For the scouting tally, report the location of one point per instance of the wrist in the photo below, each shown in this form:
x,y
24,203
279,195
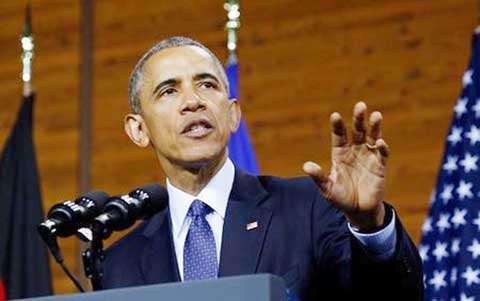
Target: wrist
x,y
369,221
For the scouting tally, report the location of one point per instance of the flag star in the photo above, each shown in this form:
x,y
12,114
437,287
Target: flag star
x,y
453,276
473,135
476,108
471,276
446,194
474,248
438,279
443,223
464,297
455,135
455,248
469,163
451,164
467,78
461,107
477,222
464,190
427,226
423,251
459,217
440,251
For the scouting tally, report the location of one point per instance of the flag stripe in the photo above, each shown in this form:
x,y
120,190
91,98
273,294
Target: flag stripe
x,y
2,291
23,257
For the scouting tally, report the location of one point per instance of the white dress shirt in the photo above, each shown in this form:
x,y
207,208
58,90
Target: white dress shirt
x,y
216,193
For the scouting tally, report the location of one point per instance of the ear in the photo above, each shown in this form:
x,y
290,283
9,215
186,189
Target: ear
x,y
136,130
235,114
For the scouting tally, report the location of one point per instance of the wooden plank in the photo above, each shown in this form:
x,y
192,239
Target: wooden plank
x,y
86,91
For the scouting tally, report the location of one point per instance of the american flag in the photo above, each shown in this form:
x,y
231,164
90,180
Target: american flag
x,y
450,246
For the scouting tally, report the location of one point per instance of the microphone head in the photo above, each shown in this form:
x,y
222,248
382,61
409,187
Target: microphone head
x,y
94,200
99,197
65,218
155,195
121,212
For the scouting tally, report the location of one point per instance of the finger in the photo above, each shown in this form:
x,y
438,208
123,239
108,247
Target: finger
x,y
376,119
383,149
359,127
316,173
339,133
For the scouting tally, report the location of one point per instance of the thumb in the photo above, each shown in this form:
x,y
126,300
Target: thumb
x,y
318,175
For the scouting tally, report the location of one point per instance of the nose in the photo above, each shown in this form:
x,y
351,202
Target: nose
x,y
192,103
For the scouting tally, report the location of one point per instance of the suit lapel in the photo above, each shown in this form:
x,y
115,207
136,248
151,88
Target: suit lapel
x,y
159,264
241,248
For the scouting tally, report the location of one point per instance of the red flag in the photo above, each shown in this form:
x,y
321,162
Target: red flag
x,y
2,291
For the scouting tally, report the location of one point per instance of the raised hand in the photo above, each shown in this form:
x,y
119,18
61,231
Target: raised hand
x,y
356,183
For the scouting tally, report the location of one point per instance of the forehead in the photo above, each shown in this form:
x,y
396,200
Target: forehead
x,y
177,62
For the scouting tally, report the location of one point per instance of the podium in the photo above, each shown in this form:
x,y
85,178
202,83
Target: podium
x,y
258,287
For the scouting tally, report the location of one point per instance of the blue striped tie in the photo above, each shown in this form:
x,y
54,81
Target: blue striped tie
x,y
199,253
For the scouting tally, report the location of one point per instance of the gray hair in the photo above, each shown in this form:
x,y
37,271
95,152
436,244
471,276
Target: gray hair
x,y
136,77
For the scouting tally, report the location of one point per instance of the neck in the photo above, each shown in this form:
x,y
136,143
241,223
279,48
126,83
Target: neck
x,y
193,179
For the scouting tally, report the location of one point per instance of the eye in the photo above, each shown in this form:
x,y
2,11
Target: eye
x,y
168,91
209,85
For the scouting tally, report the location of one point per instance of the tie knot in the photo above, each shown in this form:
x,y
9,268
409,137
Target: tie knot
x,y
199,208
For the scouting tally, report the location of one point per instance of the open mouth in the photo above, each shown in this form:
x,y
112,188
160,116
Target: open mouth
x,y
197,128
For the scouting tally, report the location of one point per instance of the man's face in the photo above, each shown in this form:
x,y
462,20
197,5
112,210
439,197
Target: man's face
x,y
185,106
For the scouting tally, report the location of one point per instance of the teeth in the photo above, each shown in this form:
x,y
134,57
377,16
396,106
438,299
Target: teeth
x,y
197,127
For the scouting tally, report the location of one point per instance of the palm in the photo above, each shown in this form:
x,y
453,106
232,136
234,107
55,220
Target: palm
x,y
358,178
356,183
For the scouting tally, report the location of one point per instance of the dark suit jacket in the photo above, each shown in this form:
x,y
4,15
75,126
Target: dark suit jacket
x,y
300,237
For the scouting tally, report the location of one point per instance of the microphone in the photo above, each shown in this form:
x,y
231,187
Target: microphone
x,y
121,212
65,218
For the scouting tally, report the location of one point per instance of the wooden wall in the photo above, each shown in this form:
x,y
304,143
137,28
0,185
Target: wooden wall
x,y
300,60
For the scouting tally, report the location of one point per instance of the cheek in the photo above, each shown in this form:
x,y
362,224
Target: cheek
x,y
223,112
223,126
161,128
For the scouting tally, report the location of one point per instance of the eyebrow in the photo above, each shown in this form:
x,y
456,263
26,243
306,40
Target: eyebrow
x,y
173,81
168,82
201,76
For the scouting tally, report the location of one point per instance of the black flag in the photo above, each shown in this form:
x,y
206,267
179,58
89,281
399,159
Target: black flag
x,y
24,264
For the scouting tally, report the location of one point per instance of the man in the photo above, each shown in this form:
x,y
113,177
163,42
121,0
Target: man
x,y
332,238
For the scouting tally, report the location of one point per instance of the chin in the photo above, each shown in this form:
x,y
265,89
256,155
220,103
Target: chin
x,y
199,157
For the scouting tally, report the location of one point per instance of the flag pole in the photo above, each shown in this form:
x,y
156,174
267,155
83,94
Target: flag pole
x,y
28,46
233,24
477,29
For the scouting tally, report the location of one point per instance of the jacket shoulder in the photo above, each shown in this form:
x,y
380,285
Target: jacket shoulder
x,y
300,194
287,184
128,243
298,187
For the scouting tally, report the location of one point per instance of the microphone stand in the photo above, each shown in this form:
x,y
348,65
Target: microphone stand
x,y
94,256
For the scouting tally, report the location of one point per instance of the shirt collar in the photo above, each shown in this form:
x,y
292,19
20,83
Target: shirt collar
x,y
215,194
